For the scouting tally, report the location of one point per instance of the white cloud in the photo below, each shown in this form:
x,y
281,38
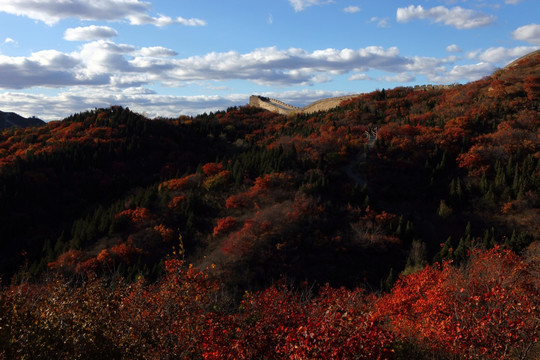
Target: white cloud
x,y
512,1
48,68
381,22
123,74
473,54
282,67
162,20
469,72
300,5
157,51
103,73
270,19
124,65
52,11
426,65
89,33
63,104
56,107
457,17
352,9
104,58
402,78
529,33
9,41
359,77
504,55
453,48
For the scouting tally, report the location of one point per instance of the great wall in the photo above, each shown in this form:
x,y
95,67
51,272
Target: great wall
x,y
280,107
285,109
272,105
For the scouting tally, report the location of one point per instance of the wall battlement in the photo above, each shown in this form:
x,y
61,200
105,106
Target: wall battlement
x,y
433,87
272,105
280,107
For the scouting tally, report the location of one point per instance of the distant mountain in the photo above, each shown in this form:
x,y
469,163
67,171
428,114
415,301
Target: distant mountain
x,y
9,119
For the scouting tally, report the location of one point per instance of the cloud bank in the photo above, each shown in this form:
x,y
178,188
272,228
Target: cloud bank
x,y
52,11
529,33
300,5
105,62
457,17
89,33
352,9
104,73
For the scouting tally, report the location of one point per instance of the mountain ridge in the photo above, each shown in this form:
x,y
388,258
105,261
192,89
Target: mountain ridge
x,y
11,119
441,159
280,107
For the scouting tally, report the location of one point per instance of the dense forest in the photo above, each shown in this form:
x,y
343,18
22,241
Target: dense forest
x,y
403,224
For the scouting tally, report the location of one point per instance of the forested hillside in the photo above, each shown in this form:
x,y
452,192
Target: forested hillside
x,y
403,224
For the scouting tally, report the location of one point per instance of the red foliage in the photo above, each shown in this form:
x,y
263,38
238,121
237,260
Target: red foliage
x,y
474,160
484,309
238,201
88,267
211,169
304,207
183,183
224,225
532,86
510,138
339,325
335,325
176,202
261,328
138,216
105,258
125,252
266,188
240,242
167,234
170,317
70,258
408,138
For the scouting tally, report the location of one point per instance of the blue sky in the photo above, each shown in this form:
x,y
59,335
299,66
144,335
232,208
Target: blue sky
x,y
185,57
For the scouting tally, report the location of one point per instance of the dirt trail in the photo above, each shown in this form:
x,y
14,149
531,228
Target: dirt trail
x,y
361,158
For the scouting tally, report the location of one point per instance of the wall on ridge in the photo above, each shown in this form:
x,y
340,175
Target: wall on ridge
x,y
281,108
272,105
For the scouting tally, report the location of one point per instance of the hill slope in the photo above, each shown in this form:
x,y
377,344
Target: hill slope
x,y
249,234
264,196
9,119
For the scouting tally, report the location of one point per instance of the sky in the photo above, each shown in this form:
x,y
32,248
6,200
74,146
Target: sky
x,y
167,58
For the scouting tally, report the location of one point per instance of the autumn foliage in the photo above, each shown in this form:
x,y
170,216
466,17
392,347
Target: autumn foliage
x,y
402,224
487,308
